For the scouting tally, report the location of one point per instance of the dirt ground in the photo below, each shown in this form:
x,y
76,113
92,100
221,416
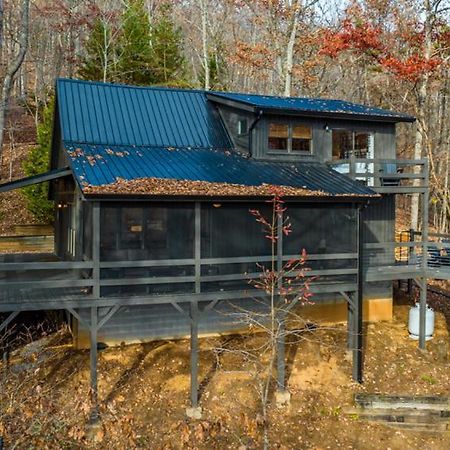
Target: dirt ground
x,y
144,390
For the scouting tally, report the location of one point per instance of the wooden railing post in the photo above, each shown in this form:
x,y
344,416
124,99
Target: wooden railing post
x,y
96,249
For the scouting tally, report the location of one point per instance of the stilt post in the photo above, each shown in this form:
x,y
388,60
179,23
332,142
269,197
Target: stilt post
x,y
194,353
194,411
358,313
93,365
423,287
350,323
281,316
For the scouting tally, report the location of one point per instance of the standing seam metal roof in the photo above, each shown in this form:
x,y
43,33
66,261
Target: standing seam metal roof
x,y
314,106
113,132
101,113
97,165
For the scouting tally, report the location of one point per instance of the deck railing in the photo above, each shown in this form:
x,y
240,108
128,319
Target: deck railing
x,y
386,175
162,280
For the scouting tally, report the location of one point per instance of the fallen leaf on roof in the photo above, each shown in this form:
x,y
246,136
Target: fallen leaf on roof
x,y
171,187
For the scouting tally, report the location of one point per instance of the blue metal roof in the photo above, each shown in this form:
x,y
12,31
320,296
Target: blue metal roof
x,y
114,114
313,106
97,165
113,132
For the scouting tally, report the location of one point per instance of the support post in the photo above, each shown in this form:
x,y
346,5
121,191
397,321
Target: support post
x,y
93,366
282,396
194,353
281,369
411,257
194,411
96,249
422,312
424,282
281,316
350,324
358,312
197,246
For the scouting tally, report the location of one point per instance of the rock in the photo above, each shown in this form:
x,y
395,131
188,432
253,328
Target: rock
x,y
442,350
194,413
282,399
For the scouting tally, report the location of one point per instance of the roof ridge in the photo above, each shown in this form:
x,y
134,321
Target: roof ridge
x,y
129,86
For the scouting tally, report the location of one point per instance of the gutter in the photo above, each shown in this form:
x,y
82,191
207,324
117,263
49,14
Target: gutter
x,y
250,132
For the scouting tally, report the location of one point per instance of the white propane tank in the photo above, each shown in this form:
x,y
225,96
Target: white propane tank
x,y
414,322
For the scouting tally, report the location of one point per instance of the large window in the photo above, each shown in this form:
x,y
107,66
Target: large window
x,y
288,137
347,143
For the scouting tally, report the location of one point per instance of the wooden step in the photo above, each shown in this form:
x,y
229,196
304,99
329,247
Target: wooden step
x,y
400,415
429,427
437,403
416,413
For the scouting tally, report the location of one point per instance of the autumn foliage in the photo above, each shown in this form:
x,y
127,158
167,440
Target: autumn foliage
x,y
359,35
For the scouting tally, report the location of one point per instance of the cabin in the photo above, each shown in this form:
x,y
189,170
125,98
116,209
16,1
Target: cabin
x,y
153,235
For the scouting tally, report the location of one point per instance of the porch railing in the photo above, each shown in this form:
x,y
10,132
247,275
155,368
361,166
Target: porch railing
x,y
161,280
386,175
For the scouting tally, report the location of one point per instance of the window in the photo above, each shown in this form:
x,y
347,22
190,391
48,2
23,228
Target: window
x,y
289,137
242,127
301,138
278,136
348,143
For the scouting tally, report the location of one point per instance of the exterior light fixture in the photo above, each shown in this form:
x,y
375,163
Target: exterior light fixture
x,y
217,205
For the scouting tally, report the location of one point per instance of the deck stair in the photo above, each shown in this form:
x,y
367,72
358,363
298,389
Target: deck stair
x,y
416,413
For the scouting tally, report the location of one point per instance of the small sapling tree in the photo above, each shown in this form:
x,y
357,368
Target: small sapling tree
x,y
286,285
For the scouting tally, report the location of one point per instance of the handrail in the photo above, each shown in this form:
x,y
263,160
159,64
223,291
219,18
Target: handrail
x,y
147,279
47,265
402,162
386,175
87,264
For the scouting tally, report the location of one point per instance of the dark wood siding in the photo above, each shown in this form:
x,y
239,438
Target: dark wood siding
x,y
384,137
231,118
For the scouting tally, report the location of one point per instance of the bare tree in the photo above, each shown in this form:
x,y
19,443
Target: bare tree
x,y
299,10
13,67
285,286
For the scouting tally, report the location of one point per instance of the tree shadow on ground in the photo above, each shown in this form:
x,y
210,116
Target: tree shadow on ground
x,y
128,373
226,343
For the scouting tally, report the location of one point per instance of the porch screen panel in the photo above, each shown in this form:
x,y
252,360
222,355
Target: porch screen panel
x,y
230,231
147,231
323,230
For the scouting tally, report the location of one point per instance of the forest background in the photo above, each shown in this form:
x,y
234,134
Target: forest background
x,y
393,54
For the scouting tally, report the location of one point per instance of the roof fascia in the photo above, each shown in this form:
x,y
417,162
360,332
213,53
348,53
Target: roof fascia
x,y
177,198
316,114
232,103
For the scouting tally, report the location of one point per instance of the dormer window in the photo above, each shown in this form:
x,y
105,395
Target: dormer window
x,y
242,127
289,138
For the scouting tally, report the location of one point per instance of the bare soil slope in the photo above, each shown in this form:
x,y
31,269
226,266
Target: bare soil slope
x,y
144,390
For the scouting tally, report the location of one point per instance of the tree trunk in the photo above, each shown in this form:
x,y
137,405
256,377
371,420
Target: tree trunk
x,y
290,51
422,94
1,31
12,69
205,55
